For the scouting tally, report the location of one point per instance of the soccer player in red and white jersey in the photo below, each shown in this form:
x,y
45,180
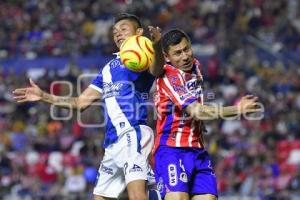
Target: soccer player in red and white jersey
x,y
183,168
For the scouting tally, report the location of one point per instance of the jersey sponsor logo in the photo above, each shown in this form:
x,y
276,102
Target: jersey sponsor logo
x,y
185,96
111,89
172,172
128,137
179,89
135,168
194,86
106,170
191,85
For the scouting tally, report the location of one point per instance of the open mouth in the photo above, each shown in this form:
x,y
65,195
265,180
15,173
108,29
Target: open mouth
x,y
187,64
120,41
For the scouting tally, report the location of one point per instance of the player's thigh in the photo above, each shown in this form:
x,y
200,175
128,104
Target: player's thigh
x,y
204,182
147,142
137,190
177,196
129,156
110,182
204,197
147,139
172,170
96,197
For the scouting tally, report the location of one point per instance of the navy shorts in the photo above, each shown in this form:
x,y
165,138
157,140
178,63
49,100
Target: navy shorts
x,y
184,170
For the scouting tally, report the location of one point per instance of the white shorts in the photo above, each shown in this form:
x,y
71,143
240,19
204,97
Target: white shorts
x,y
122,163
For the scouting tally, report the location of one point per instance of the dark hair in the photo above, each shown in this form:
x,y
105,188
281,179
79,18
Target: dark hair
x,y
130,17
173,37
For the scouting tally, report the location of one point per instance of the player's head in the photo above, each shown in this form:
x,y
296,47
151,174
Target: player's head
x,y
178,49
125,26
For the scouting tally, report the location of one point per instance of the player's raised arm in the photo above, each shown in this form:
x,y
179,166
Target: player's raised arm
x,y
34,93
248,104
156,69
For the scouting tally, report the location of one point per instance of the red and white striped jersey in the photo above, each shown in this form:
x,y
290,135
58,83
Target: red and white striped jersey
x,y
175,90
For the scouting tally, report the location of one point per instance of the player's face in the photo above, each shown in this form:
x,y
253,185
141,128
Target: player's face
x,y
181,55
124,29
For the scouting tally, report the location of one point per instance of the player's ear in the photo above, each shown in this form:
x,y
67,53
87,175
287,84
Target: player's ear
x,y
166,56
139,31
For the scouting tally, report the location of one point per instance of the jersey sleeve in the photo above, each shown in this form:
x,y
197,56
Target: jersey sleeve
x,y
97,83
172,84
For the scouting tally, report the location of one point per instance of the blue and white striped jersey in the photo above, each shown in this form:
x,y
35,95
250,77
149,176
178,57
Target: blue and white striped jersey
x,y
123,93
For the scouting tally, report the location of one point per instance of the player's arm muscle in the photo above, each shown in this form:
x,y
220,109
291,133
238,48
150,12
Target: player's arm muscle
x,y
156,69
88,96
202,112
205,112
247,104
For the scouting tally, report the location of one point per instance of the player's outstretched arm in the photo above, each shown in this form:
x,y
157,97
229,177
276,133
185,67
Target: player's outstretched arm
x,y
34,93
248,104
156,69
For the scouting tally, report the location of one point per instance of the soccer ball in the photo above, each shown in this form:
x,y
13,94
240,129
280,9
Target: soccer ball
x,y
137,53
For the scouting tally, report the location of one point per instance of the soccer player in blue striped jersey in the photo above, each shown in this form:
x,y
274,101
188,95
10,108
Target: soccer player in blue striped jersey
x,y
128,140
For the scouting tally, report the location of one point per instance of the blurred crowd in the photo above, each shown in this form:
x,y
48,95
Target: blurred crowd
x,y
39,28
46,153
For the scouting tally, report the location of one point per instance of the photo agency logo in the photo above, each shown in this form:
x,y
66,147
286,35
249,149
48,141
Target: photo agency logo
x,y
122,99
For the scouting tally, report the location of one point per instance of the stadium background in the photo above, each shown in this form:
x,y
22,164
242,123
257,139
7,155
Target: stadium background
x,y
249,46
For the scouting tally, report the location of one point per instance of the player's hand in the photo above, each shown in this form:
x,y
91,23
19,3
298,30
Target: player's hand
x,y
249,104
33,93
155,34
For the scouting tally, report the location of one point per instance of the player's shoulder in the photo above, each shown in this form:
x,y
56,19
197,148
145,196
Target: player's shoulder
x,y
115,62
111,65
197,64
169,70
171,75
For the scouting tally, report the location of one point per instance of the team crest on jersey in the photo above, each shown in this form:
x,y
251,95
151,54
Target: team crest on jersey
x,y
183,177
115,63
173,79
122,124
